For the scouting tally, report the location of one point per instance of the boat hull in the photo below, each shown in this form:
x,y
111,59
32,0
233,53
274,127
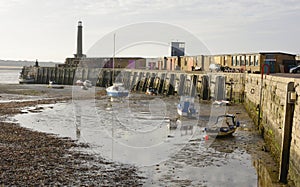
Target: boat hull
x,y
179,112
219,134
224,134
117,90
117,94
56,86
186,107
26,81
186,114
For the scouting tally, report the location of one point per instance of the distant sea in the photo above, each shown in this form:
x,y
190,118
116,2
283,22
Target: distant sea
x,y
10,70
9,75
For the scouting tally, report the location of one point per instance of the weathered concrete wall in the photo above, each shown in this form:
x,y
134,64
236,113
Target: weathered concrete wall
x,y
167,82
272,107
60,75
273,111
295,144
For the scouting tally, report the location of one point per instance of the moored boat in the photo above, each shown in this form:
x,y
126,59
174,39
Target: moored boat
x,y
87,83
186,107
225,125
151,91
26,76
117,90
26,79
52,84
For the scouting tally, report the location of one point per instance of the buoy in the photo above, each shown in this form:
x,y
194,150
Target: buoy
x,y
206,137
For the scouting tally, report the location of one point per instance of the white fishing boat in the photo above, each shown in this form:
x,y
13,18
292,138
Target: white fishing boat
x,y
117,90
186,107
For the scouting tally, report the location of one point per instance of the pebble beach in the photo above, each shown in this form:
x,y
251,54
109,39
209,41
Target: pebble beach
x,y
31,158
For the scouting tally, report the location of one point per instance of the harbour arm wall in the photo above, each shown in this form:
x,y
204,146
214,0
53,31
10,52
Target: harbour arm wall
x,y
217,86
271,101
275,100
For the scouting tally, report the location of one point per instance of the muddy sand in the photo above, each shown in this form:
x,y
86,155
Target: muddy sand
x,y
33,158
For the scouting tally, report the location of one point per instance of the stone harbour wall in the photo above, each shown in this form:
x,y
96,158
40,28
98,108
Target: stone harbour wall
x,y
270,97
272,107
295,143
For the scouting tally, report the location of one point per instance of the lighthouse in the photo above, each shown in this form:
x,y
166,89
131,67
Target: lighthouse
x,y
79,41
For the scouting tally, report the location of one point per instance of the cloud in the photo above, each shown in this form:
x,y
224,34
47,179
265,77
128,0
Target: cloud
x,y
7,5
211,21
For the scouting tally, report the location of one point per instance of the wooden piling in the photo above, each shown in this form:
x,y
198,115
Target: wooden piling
x,y
193,85
287,136
181,84
205,88
220,88
161,83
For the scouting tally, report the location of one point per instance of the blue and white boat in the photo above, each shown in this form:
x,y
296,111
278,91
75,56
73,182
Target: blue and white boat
x,y
186,107
117,90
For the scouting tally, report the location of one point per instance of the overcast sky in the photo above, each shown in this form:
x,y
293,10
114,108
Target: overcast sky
x,y
46,29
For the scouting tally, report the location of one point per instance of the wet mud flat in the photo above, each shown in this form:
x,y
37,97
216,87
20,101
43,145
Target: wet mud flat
x,y
31,158
241,160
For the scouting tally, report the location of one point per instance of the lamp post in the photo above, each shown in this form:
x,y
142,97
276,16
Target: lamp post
x,y
261,88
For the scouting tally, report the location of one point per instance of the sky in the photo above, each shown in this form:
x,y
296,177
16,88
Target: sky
x,y
46,29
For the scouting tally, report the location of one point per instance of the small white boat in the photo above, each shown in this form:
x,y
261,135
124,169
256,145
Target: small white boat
x,y
79,83
26,79
186,107
84,85
151,91
222,102
26,76
52,84
87,83
117,90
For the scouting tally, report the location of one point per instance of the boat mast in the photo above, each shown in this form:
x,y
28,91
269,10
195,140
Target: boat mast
x,y
114,51
112,120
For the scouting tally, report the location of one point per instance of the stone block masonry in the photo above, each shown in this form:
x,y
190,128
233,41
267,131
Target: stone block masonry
x,y
206,86
274,119
295,143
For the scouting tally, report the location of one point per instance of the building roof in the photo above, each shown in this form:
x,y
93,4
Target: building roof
x,y
271,52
